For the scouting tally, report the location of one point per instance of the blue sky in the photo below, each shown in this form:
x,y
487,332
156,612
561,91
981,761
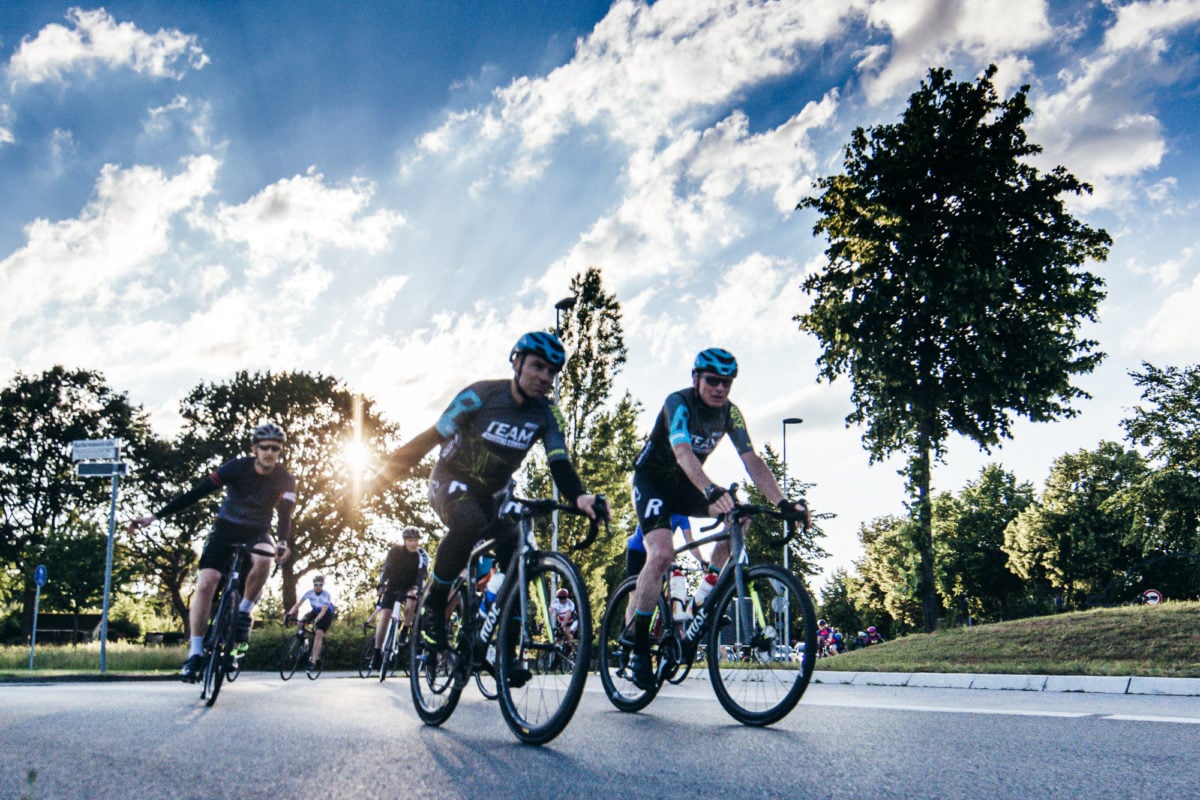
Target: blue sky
x,y
391,192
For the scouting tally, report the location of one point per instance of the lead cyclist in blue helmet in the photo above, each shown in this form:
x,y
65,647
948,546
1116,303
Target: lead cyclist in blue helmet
x,y
669,478
485,434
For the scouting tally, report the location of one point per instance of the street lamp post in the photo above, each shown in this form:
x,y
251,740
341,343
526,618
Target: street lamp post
x,y
566,304
787,621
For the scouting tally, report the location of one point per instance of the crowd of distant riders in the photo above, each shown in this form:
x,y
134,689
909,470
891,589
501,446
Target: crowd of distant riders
x,y
484,435
831,641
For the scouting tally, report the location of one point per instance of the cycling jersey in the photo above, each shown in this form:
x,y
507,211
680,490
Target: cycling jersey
x,y
319,600
563,609
686,419
488,433
403,569
250,498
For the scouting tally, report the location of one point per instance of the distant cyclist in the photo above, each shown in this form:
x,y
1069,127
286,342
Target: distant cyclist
x,y
485,434
321,613
669,478
257,488
565,615
403,574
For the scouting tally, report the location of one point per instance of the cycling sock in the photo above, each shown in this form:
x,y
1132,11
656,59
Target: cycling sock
x,y
246,606
641,631
195,646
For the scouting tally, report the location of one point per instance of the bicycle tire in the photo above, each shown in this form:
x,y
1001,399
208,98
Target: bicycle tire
x,y
485,681
386,655
222,639
540,709
235,669
435,681
365,655
290,655
760,690
314,671
616,643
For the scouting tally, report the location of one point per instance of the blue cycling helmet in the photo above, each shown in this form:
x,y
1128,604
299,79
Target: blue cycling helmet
x,y
540,343
714,359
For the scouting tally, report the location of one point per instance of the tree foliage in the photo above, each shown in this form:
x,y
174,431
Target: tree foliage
x,y
40,415
954,291
887,574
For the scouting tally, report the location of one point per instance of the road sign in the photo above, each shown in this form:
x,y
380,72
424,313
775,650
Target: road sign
x,y
39,575
101,469
95,449
1152,597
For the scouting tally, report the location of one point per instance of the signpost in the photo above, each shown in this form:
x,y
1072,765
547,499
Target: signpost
x,y
39,580
101,458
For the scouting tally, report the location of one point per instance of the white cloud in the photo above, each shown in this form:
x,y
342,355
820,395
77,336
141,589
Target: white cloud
x,y
118,233
380,297
1139,25
294,219
97,40
1173,330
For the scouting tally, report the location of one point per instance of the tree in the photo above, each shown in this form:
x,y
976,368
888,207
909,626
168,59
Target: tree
x,y
887,572
75,559
1074,540
838,606
953,294
804,551
601,434
1167,424
40,495
968,539
333,436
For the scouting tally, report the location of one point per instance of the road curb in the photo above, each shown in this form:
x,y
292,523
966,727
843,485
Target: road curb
x,y
1100,684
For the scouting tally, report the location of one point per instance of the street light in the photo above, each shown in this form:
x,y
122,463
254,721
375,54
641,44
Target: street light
x,y
787,621
566,304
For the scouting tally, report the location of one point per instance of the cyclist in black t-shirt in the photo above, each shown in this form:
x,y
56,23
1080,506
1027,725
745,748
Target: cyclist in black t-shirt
x,y
403,574
257,488
485,433
669,478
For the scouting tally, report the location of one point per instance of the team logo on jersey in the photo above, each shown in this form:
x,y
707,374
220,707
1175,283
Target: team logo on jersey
x,y
706,444
520,437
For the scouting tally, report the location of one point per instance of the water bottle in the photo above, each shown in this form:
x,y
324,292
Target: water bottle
x,y
679,595
493,588
706,586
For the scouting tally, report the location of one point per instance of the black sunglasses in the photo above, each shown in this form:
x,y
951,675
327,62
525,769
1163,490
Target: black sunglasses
x,y
271,448
717,380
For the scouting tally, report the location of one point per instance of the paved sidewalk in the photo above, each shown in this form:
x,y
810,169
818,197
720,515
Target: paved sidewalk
x,y
1024,683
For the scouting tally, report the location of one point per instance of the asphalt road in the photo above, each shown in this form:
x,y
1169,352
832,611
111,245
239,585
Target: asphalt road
x,y
343,737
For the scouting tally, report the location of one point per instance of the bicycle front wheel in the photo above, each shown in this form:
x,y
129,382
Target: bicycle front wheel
x,y
748,660
437,678
616,645
220,642
290,656
388,655
365,654
537,705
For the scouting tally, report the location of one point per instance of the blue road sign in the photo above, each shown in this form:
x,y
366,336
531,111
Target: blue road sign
x,y
39,575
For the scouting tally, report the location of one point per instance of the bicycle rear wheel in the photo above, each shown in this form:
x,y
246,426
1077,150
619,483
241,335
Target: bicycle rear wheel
x,y
616,645
365,655
290,656
539,709
750,676
221,640
485,681
437,679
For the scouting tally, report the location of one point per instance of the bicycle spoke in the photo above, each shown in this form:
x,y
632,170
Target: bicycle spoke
x,y
616,645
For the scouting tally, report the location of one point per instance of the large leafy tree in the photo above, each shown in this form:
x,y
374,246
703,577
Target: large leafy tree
x,y
601,431
1167,424
954,291
40,415
968,539
804,548
887,575
1075,540
333,437
74,559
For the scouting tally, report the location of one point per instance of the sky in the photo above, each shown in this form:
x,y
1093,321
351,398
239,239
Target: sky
x,y
392,192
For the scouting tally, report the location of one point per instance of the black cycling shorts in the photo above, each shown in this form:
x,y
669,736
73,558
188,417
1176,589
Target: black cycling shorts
x,y
389,598
655,502
219,547
325,621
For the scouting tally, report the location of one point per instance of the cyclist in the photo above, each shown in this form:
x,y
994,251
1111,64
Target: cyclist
x,y
874,636
256,487
563,608
635,550
403,574
485,433
321,613
669,478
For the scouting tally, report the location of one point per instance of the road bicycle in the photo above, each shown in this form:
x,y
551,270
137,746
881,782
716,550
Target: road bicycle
x,y
394,654
749,611
219,645
297,650
513,636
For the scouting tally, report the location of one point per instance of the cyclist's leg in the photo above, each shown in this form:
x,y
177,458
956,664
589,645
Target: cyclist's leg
x,y
465,517
381,622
